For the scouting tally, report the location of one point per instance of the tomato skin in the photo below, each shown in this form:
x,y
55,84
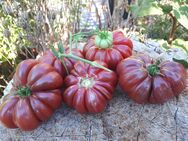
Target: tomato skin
x,y
120,49
140,86
91,98
27,112
49,58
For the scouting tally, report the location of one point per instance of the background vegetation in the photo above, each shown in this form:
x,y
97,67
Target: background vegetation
x,y
28,26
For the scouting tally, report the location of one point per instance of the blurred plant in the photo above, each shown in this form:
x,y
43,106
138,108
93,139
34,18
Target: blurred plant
x,y
169,27
67,19
12,39
28,27
12,42
170,22
158,27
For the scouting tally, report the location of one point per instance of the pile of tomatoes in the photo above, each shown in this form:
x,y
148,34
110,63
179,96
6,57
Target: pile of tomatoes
x,y
41,85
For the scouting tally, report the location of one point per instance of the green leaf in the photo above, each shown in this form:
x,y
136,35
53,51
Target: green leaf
x,y
177,43
145,8
60,47
181,14
183,62
166,8
180,43
163,43
181,1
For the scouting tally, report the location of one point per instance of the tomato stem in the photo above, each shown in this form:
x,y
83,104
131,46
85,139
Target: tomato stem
x,y
93,63
70,55
154,68
24,91
70,42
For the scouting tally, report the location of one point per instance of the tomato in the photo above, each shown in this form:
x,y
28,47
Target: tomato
x,y
88,89
147,81
49,58
108,47
35,95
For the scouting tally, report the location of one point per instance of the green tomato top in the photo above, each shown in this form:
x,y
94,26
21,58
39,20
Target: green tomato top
x,y
104,39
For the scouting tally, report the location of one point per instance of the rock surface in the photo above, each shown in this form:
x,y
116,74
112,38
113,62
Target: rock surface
x,y
123,120
155,51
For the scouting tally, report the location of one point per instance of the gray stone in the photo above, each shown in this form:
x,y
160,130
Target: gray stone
x,y
122,120
154,50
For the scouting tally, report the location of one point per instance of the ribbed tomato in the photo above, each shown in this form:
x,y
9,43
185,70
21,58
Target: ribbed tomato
x,y
35,95
49,58
109,47
89,88
147,81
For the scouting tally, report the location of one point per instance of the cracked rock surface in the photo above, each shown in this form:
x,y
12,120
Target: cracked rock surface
x,y
123,120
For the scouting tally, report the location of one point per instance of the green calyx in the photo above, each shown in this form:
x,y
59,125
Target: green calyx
x,y
104,39
24,91
154,68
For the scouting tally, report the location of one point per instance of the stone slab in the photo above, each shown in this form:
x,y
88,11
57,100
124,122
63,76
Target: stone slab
x,y
123,120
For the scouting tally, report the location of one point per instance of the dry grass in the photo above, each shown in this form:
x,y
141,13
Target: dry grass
x,y
46,22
